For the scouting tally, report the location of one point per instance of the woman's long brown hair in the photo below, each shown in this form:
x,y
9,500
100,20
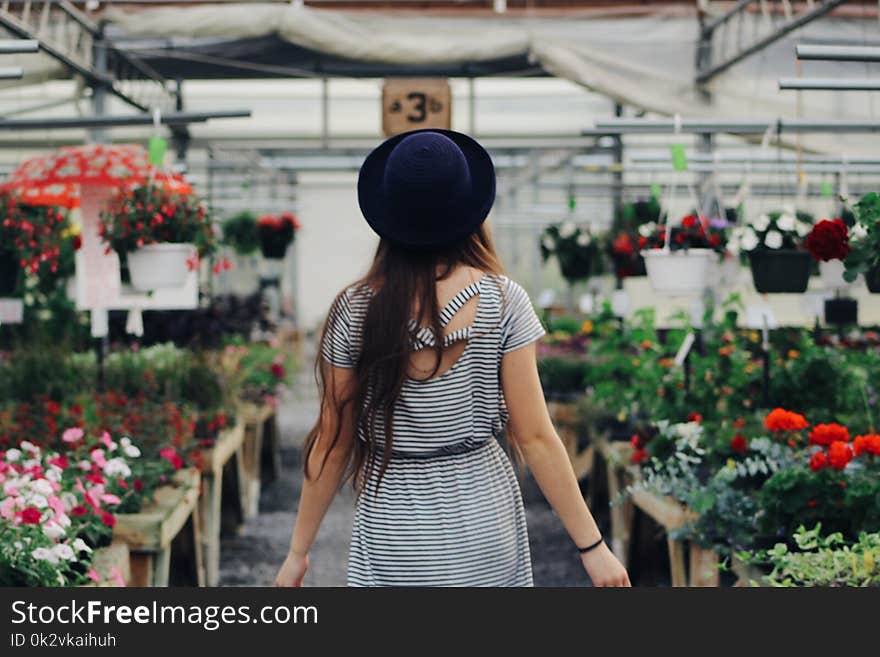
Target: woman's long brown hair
x,y
404,286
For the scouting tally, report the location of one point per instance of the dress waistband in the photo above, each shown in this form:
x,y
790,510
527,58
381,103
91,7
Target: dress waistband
x,y
440,452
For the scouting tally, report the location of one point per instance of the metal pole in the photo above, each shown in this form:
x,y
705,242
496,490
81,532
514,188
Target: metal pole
x,y
11,73
325,113
472,106
839,53
665,126
617,176
18,46
98,135
104,121
830,84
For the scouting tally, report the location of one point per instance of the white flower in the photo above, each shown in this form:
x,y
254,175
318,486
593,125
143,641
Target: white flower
x,y
567,229
31,463
125,441
53,474
646,230
44,554
18,545
64,551
584,239
773,239
802,228
749,240
131,451
690,433
85,466
61,519
53,530
549,243
116,467
786,222
13,454
762,222
29,446
80,545
858,231
60,579
39,501
42,487
69,500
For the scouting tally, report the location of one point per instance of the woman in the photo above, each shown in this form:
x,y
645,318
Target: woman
x,y
412,417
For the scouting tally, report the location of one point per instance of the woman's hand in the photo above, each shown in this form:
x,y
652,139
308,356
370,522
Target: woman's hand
x,y
604,568
292,570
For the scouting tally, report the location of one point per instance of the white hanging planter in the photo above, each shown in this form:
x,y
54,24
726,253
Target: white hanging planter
x,y
679,272
160,266
832,275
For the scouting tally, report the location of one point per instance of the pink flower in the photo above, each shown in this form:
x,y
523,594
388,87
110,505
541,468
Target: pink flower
x,y
98,458
56,505
72,435
116,576
7,508
93,575
108,498
108,443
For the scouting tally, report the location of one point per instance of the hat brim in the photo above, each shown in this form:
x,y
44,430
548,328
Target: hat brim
x,y
466,216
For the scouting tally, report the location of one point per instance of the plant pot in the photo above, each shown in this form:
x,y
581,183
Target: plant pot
x,y
832,275
9,273
160,266
841,311
679,272
872,278
575,268
273,250
783,271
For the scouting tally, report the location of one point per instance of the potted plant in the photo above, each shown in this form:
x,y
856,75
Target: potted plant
x,y
774,244
828,243
161,233
864,255
575,249
635,219
276,233
679,258
240,233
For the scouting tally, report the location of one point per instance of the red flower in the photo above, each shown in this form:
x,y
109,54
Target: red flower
x,y
639,456
31,516
739,423
138,485
828,240
812,504
108,519
825,434
689,221
869,443
76,242
59,462
818,461
839,454
277,370
170,455
79,510
623,245
781,420
739,444
695,417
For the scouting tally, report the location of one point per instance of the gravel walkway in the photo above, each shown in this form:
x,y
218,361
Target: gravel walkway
x,y
252,557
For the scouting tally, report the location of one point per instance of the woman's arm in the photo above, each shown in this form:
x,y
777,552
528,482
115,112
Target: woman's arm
x,y
319,490
533,432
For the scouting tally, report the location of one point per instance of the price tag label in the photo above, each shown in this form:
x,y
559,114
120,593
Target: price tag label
x,y
158,146
679,158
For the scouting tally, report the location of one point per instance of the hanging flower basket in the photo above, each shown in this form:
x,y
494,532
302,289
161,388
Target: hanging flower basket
x,y
679,272
9,272
780,271
161,266
575,267
276,234
575,248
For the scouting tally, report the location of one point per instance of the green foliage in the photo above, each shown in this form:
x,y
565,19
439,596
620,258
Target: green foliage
x,y
562,376
240,232
864,256
818,559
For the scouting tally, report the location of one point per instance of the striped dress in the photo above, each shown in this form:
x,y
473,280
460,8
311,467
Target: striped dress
x,y
448,511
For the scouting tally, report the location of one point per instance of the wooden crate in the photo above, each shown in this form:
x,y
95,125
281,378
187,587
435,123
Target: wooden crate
x,y
260,436
149,533
227,450
565,418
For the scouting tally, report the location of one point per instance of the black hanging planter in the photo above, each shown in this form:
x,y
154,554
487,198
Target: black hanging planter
x,y
575,268
783,271
872,278
9,274
841,311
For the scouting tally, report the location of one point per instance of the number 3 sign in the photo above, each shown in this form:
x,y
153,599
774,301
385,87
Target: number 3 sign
x,y
410,104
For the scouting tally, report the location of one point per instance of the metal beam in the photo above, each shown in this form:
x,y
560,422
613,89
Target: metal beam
x,y
663,126
711,28
838,53
174,118
18,46
830,84
11,73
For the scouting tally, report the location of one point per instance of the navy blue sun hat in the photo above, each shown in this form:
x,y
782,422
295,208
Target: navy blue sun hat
x,y
426,188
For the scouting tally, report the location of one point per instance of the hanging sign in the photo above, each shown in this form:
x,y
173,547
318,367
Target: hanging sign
x,y
827,189
156,149
414,103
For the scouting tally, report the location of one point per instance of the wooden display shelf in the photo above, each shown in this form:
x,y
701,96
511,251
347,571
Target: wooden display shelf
x,y
227,450
116,555
149,533
260,437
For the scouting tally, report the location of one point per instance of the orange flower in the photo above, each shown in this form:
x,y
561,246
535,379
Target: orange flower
x,y
869,443
781,420
839,454
793,353
726,350
646,344
825,434
818,461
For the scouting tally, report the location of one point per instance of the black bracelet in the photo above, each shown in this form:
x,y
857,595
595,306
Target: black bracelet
x,y
591,547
